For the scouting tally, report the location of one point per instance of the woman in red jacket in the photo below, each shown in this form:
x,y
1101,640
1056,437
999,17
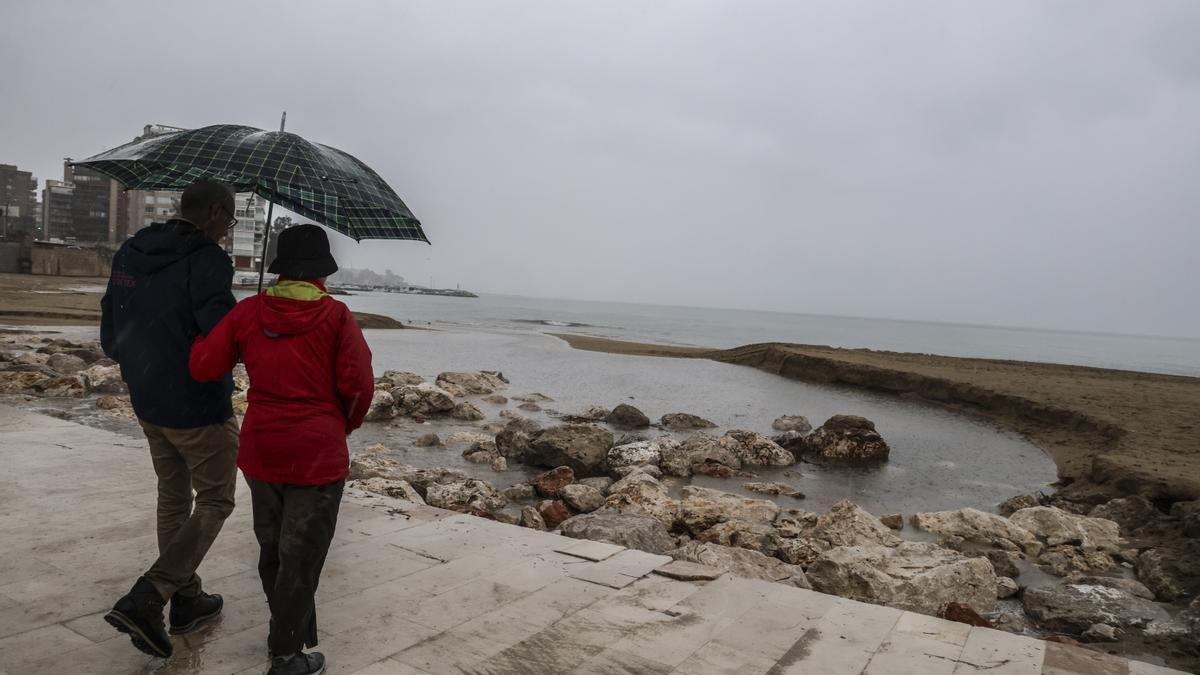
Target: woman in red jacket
x,y
310,386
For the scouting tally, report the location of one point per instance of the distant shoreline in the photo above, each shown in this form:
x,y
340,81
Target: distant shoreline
x,y
37,300
1110,432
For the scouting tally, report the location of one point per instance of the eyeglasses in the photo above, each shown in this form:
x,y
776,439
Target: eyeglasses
x,y
232,221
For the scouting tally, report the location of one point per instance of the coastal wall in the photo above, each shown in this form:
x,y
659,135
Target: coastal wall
x,y
70,261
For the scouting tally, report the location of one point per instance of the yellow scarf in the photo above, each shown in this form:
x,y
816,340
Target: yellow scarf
x,y
296,290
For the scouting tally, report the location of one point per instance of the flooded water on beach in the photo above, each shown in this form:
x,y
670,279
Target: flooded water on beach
x,y
939,459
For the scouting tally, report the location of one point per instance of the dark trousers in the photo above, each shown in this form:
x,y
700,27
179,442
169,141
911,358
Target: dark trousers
x,y
294,525
202,460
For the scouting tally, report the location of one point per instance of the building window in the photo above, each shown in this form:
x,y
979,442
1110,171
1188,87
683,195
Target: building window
x,y
149,199
149,209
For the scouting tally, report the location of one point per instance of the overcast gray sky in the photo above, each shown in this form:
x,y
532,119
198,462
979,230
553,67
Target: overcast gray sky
x,y
1016,162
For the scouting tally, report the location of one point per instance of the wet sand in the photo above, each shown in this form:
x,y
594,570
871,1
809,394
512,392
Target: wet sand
x,y
1109,432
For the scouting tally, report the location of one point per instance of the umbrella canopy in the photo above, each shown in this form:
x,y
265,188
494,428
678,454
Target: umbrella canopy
x,y
322,183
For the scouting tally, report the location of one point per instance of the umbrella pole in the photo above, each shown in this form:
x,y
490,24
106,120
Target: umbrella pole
x,y
262,261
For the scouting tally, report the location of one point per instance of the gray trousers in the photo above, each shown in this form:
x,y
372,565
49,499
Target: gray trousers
x,y
203,461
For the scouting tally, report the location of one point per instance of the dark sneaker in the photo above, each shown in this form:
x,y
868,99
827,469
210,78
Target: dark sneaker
x,y
140,615
312,663
188,613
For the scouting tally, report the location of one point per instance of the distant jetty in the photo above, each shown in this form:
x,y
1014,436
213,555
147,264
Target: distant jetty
x,y
351,289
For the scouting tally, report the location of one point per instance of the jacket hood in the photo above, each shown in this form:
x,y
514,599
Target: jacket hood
x,y
163,244
287,316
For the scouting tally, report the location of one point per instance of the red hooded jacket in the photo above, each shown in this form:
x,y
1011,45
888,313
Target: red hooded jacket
x,y
310,384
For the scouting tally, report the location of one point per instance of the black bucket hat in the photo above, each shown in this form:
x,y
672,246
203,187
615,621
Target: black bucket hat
x,y
303,253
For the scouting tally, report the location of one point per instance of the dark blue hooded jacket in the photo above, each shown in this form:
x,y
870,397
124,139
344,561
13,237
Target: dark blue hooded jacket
x,y
169,283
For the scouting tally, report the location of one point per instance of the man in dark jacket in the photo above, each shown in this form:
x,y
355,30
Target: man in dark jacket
x,y
170,283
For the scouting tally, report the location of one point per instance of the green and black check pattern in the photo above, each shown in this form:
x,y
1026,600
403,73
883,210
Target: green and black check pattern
x,y
313,180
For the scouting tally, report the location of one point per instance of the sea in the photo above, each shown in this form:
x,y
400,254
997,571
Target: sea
x,y
724,328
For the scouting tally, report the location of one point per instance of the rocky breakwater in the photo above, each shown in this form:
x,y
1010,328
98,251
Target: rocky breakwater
x,y
1091,593
45,368
601,477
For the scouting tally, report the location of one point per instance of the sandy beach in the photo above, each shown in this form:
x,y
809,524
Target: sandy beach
x,y
28,299
1110,432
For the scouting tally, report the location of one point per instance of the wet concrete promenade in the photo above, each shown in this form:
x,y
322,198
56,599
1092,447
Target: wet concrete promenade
x,y
412,589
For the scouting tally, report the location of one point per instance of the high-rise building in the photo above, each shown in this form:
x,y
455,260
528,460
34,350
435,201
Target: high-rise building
x,y
56,209
150,206
95,204
18,200
245,241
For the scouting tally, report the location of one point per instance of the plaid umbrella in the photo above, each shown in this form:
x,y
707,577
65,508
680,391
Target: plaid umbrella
x,y
323,183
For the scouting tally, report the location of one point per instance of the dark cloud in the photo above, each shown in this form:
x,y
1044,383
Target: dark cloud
x,y
1027,163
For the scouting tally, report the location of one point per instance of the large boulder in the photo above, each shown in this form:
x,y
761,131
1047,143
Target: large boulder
x,y
1172,569
623,529
398,378
372,463
422,399
103,380
699,448
583,448
1130,513
466,411
798,551
514,441
846,438
1073,608
685,422
422,478
592,413
1057,527
797,423
741,534
549,484
461,384
920,577
383,406
625,416
754,449
12,382
1188,513
641,494
66,364
470,493
1013,504
978,526
582,498
848,524
554,512
398,489
532,518
741,562
638,453
702,508
481,453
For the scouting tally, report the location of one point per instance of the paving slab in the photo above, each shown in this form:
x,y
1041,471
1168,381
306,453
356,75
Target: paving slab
x,y
410,589
591,550
688,571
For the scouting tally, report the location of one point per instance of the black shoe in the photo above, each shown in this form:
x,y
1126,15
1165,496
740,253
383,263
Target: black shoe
x,y
188,613
140,615
312,663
